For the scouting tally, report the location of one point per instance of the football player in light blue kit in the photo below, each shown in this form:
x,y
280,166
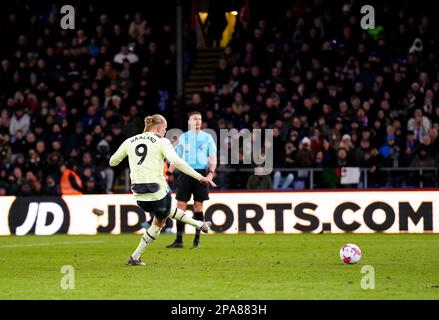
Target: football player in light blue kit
x,y
146,154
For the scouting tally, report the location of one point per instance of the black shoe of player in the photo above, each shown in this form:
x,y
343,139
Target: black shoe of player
x,y
175,245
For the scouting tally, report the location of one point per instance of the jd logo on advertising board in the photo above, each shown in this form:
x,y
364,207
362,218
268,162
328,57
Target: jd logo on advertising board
x,y
40,216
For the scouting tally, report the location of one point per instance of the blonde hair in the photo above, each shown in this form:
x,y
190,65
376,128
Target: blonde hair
x,y
152,121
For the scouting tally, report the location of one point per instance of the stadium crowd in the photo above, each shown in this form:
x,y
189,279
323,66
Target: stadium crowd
x,y
334,94
68,98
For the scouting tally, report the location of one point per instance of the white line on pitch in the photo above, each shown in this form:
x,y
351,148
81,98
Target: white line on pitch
x,y
42,244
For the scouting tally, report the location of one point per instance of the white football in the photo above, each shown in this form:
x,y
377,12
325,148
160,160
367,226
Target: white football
x,y
350,253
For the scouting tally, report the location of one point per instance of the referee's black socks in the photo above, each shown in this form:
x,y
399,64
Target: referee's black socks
x,y
180,231
198,216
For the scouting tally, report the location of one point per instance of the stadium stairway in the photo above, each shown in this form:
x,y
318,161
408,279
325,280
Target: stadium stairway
x,y
203,71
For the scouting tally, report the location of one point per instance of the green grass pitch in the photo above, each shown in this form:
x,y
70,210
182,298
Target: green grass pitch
x,y
305,266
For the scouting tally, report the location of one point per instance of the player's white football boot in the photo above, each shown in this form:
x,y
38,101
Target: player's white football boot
x,y
132,262
206,226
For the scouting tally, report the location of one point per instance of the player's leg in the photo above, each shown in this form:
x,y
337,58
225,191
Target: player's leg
x,y
109,179
160,210
147,239
276,180
184,217
288,181
178,243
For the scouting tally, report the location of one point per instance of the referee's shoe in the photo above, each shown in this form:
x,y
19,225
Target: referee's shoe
x,y
196,245
175,245
179,245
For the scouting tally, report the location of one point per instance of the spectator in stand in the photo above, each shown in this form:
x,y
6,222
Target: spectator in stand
x,y
137,27
424,158
125,55
305,156
20,121
215,22
257,181
419,124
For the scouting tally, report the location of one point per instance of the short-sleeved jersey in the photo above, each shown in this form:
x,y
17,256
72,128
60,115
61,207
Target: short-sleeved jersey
x,y
195,148
146,154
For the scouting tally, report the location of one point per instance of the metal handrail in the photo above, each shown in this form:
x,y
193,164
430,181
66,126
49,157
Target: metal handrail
x,y
364,172
312,171
321,169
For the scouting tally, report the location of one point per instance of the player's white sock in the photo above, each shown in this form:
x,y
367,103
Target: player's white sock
x,y
148,237
182,216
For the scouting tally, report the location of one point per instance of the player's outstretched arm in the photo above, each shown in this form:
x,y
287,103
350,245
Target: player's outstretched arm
x,y
118,156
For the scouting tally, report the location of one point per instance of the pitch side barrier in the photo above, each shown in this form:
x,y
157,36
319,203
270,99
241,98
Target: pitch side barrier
x,y
387,211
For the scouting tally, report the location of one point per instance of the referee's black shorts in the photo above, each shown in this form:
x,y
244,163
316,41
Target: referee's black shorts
x,y
187,186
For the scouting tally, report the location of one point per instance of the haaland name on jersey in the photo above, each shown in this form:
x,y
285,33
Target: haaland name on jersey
x,y
143,137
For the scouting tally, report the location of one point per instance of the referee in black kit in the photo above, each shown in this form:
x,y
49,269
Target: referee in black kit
x,y
199,150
